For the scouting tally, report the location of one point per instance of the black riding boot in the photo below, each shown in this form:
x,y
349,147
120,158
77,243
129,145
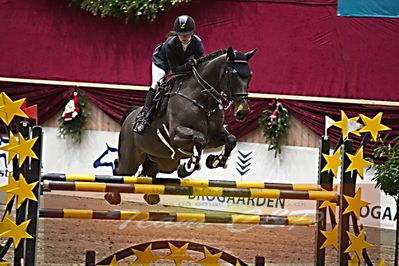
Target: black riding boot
x,y
143,118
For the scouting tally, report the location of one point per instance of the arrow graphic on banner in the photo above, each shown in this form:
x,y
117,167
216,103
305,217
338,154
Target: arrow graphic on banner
x,y
243,162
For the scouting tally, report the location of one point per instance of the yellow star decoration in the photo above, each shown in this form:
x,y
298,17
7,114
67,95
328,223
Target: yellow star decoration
x,y
21,147
144,257
238,263
13,142
24,149
178,254
328,204
331,238
333,162
382,263
9,108
355,203
210,259
354,261
373,125
343,125
357,162
357,244
12,184
24,190
4,263
16,232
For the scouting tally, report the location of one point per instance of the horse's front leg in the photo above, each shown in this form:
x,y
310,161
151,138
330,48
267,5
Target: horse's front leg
x,y
230,142
185,138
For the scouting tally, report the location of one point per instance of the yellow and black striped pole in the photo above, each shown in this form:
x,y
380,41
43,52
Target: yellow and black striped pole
x,y
190,191
176,217
176,181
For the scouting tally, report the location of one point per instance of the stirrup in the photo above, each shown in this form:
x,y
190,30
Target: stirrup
x,y
140,125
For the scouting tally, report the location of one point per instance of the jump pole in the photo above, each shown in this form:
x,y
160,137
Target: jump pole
x,y
190,191
175,181
177,217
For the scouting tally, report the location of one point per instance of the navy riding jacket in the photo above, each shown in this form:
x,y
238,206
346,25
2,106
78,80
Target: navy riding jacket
x,y
169,55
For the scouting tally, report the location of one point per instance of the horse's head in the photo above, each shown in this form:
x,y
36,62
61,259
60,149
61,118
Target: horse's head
x,y
238,75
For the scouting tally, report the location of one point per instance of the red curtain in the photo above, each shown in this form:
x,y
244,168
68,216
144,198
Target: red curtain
x,y
303,47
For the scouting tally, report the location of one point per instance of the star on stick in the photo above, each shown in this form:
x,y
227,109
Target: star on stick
x,y
4,263
210,259
178,254
331,238
357,162
346,125
355,203
16,232
9,108
329,204
373,125
24,149
333,162
24,190
354,261
144,257
357,244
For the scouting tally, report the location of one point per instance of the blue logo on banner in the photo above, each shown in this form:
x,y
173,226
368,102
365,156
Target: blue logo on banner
x,y
243,162
3,158
368,8
106,159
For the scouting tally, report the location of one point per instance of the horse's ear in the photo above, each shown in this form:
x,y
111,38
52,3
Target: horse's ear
x,y
230,53
250,54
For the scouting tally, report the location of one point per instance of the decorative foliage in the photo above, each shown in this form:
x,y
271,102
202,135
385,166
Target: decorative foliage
x,y
126,9
75,127
274,125
387,173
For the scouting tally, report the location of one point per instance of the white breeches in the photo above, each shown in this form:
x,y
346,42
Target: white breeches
x,y
157,74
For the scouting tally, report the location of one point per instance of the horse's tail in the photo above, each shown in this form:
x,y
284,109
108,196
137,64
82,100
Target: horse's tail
x,y
128,111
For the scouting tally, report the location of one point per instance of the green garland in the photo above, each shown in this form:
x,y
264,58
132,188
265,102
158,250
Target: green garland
x,y
75,128
274,125
126,9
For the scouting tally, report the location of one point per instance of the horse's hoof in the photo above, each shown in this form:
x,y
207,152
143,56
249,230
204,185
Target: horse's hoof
x,y
209,161
113,198
152,199
181,171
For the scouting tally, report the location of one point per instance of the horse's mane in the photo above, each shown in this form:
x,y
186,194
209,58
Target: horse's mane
x,y
211,56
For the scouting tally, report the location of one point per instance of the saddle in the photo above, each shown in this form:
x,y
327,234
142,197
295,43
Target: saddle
x,y
162,95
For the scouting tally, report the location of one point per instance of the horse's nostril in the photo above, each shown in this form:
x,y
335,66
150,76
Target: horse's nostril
x,y
241,114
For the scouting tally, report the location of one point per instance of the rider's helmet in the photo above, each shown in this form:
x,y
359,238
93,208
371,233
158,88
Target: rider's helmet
x,y
184,25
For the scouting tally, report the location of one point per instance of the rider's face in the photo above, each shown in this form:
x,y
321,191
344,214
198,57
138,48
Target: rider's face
x,y
185,39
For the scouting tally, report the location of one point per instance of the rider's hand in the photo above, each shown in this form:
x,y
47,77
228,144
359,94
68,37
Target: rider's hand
x,y
191,63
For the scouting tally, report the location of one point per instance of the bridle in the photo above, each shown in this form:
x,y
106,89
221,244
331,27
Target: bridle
x,y
218,96
223,102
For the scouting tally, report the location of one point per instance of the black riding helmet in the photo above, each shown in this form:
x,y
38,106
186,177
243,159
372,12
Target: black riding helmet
x,y
184,25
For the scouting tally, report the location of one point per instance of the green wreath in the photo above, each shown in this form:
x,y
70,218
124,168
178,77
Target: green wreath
x,y
74,127
274,125
127,9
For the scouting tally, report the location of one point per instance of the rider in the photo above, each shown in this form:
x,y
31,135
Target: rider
x,y
177,54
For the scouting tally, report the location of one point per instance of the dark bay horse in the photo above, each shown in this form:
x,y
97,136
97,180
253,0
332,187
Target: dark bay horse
x,y
193,121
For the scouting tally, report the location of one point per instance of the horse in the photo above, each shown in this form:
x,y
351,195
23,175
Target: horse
x,y
193,121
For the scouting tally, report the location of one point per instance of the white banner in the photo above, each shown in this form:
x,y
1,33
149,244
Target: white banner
x,y
248,162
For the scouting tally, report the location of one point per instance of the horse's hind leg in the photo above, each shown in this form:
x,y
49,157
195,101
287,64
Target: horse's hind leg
x,y
150,169
230,142
127,164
